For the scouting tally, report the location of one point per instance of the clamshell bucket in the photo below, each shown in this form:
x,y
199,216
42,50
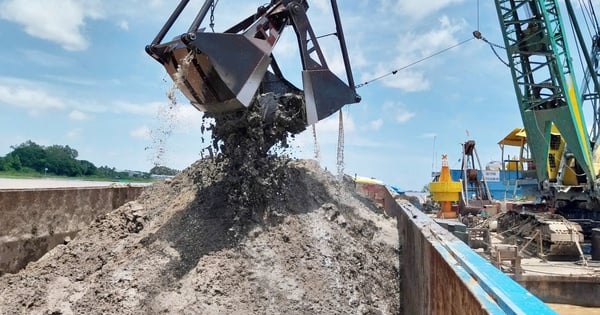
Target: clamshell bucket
x,y
223,72
218,72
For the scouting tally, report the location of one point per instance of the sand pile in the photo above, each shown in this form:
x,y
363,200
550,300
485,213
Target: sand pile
x,y
241,232
179,249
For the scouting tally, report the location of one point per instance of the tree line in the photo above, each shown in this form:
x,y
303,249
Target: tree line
x,y
61,160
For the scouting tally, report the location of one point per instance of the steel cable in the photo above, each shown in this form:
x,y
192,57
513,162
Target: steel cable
x,y
410,64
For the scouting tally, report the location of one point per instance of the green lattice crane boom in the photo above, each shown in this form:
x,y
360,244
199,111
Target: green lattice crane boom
x,y
550,103
542,72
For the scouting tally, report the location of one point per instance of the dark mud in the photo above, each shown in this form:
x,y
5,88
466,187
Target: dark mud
x,y
247,146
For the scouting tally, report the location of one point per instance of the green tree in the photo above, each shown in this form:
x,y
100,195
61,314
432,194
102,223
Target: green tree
x,y
29,154
105,171
61,160
87,168
13,162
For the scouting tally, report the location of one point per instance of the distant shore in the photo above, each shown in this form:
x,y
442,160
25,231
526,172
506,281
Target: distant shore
x,y
21,183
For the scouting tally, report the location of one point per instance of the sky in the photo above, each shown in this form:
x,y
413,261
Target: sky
x,y
75,73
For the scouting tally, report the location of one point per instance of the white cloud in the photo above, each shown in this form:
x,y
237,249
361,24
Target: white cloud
x,y
142,132
428,135
147,109
156,3
124,25
425,44
321,5
28,97
286,47
400,113
327,131
189,119
45,59
407,80
37,96
416,51
376,124
72,80
330,125
60,21
418,9
74,134
404,116
78,115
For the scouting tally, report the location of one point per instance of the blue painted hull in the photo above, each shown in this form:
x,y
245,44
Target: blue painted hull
x,y
506,184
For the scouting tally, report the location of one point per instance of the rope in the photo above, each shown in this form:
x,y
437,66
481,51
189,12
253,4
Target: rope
x,y
410,64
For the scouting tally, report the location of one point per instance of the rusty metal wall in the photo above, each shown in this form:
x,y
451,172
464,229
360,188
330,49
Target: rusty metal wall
x,y
442,275
32,221
380,195
582,290
429,284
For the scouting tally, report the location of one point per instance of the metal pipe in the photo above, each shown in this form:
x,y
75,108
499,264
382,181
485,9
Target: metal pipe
x,y
342,40
200,17
163,31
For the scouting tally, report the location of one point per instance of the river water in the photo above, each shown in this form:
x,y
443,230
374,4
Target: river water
x,y
566,309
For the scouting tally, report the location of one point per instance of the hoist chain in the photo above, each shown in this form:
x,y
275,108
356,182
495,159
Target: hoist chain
x,y
212,15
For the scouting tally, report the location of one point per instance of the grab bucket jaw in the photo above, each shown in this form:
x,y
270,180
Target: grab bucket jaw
x,y
223,73
324,94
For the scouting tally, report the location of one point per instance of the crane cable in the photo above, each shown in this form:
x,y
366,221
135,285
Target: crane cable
x,y
410,64
593,15
578,45
588,12
393,72
477,14
478,35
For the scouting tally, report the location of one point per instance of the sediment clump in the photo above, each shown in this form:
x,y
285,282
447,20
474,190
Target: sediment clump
x,y
247,144
243,232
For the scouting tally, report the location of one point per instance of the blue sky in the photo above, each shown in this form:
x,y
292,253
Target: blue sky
x,y
75,73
